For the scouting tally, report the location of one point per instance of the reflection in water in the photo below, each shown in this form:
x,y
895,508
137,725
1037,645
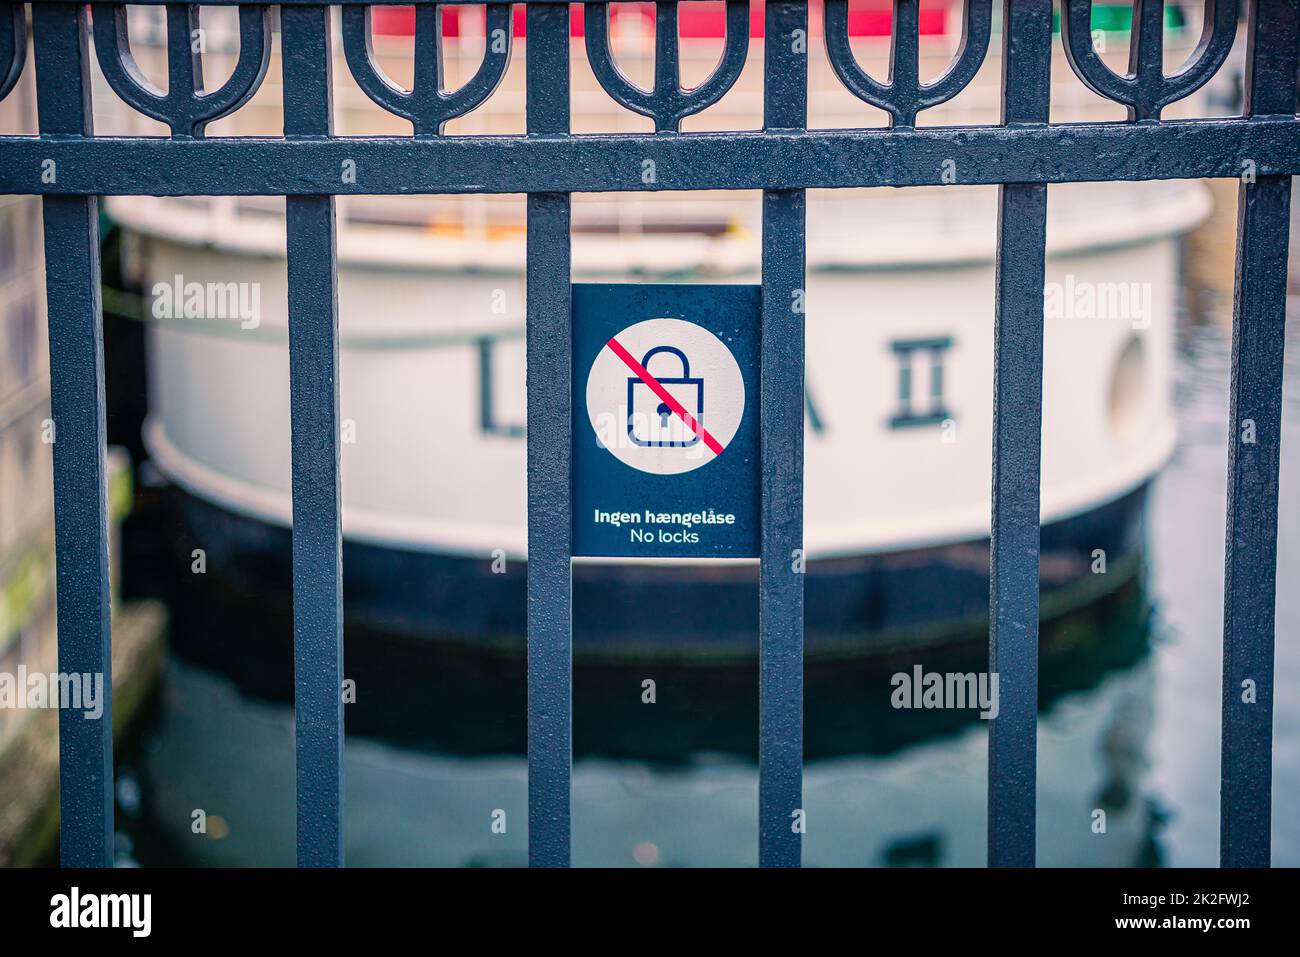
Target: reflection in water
x,y
437,744
1186,523
1128,732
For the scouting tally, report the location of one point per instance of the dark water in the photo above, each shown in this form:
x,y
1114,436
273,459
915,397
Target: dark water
x,y
1129,724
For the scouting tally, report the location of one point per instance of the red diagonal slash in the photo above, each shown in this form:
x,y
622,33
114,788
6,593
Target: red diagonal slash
x,y
667,397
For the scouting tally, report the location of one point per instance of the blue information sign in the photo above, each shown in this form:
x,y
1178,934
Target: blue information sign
x,y
665,420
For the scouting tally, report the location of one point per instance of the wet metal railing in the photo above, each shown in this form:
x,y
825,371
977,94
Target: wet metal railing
x,y
70,167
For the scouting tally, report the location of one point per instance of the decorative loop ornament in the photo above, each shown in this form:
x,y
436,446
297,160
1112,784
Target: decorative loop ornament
x,y
13,45
904,95
1145,89
667,103
426,105
184,107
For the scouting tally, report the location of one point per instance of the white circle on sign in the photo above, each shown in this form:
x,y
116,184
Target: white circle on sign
x,y
665,396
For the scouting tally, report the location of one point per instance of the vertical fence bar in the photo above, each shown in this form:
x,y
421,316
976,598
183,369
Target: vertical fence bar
x,y
1017,433
781,403
314,402
549,392
77,407
1254,446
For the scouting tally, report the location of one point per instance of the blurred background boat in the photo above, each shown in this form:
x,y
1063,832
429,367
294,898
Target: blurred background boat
x,y
899,392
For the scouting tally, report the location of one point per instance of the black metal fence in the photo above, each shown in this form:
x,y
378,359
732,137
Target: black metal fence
x,y
70,167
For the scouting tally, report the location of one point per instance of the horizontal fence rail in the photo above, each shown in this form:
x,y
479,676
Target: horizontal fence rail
x,y
820,159
1024,155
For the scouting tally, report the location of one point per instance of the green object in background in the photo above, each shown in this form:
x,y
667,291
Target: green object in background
x,y
25,590
120,486
1118,18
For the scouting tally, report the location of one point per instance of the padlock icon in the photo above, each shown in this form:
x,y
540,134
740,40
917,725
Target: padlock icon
x,y
651,422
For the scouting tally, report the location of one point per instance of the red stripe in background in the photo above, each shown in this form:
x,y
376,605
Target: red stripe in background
x,y
867,18
617,348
